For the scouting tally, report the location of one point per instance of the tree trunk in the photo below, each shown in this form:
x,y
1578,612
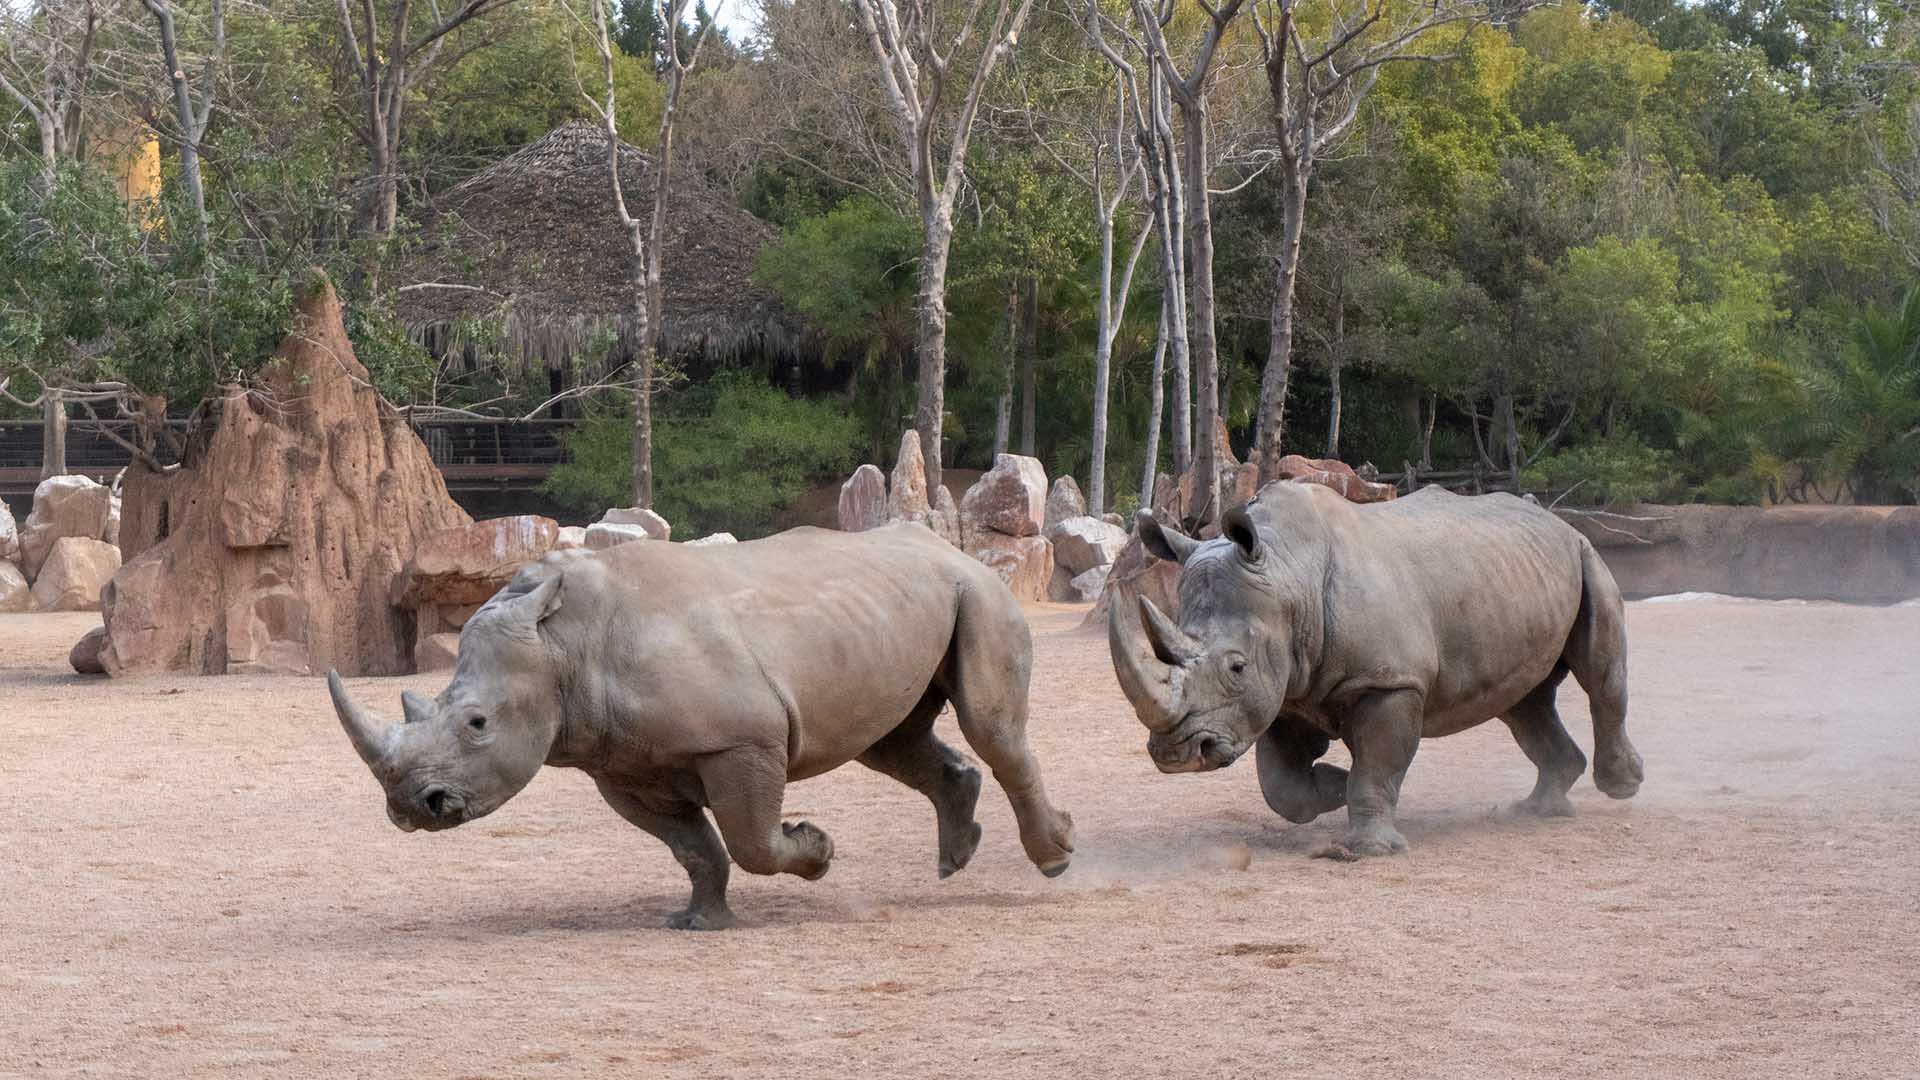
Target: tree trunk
x,y
1154,407
1206,478
1102,362
929,414
1029,355
1003,408
53,434
1510,433
1426,436
1273,382
1179,339
1335,363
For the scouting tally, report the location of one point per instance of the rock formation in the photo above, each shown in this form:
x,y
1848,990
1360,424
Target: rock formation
x,y
907,495
1082,543
1025,563
601,535
454,571
1063,502
714,540
9,535
1011,499
1334,474
276,544
653,524
66,506
15,594
74,574
570,538
85,654
863,499
1136,573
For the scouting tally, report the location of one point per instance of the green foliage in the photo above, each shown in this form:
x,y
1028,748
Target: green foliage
x,y
1606,472
726,456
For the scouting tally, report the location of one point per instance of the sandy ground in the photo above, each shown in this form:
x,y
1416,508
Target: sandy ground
x,y
198,879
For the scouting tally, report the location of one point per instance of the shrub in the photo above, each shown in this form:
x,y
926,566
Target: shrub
x,y
1617,470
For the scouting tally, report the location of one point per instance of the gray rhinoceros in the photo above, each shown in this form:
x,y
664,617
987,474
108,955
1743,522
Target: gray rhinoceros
x,y
684,677
1312,618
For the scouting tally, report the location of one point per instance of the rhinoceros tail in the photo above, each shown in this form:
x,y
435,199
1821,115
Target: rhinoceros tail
x,y
1597,655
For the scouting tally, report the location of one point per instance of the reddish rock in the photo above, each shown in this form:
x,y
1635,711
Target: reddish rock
x,y
1063,502
276,548
85,655
1025,563
907,497
944,518
15,594
467,564
1010,499
1334,474
863,500
74,573
1136,573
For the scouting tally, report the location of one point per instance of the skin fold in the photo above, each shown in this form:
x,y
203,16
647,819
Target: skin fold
x,y
685,680
1312,619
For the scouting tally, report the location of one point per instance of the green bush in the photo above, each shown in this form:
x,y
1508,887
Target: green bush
x,y
727,455
1617,470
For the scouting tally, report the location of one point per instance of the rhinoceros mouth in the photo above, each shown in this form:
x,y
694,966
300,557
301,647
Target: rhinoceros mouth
x,y
1199,750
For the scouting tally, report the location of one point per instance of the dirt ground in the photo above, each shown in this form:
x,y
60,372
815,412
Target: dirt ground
x,y
198,879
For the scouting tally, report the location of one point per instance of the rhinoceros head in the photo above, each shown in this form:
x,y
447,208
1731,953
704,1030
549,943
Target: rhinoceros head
x,y
1208,686
464,753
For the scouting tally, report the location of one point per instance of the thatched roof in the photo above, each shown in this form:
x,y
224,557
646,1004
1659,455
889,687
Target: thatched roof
x,y
536,235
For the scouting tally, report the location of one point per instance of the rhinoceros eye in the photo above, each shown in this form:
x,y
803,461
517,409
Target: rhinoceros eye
x,y
477,723
1237,666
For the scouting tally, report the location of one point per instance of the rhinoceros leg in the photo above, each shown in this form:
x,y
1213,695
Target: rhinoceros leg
x,y
1536,726
1597,653
913,755
1382,731
745,788
1297,785
691,838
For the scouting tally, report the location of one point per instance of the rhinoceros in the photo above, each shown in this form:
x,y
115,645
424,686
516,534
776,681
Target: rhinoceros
x,y
1311,619
682,677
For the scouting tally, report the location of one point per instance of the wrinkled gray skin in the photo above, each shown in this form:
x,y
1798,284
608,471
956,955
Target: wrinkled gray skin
x,y
686,677
1312,619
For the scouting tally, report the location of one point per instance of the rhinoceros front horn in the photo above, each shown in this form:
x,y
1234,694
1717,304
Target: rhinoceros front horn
x,y
369,738
1141,658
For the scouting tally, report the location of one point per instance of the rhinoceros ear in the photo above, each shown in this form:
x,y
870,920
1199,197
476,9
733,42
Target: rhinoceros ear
x,y
1162,542
1237,526
542,602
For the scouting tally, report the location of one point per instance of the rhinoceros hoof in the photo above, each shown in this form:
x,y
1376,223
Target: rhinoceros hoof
x,y
1546,806
707,919
1365,843
956,860
817,846
1618,775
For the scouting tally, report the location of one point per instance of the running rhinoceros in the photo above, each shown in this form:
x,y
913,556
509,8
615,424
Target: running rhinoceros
x,y
1312,618
683,677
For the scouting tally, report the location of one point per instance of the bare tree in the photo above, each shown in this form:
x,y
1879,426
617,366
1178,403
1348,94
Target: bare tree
x,y
916,67
644,236
191,116
389,60
1190,90
50,67
1319,71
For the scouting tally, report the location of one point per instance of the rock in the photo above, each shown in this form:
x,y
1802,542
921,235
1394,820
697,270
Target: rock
x,y
863,500
907,499
63,506
601,536
277,547
1136,573
15,595
1063,502
656,527
85,656
1336,475
570,538
1082,543
1025,563
9,535
1087,587
944,518
1060,586
437,652
467,564
112,532
714,540
74,573
1116,521
1009,499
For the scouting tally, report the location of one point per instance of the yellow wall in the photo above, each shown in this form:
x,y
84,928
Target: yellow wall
x,y
130,152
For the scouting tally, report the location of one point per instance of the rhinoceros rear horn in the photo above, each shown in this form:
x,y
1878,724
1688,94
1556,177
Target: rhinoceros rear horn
x,y
1150,682
369,738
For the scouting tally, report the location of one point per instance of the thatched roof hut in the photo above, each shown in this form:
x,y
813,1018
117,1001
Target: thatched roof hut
x,y
535,237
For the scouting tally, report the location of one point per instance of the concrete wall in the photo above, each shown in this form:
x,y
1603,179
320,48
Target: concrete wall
x,y
1858,554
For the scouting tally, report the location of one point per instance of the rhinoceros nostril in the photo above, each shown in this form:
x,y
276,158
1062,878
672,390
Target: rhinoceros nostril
x,y
1208,744
436,800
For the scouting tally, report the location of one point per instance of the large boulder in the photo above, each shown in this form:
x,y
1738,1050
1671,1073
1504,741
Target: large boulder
x,y
1082,543
74,573
85,654
907,497
601,535
467,564
9,535
944,518
1025,563
1063,502
1334,474
276,547
1137,573
653,524
63,506
863,500
570,538
1010,499
15,594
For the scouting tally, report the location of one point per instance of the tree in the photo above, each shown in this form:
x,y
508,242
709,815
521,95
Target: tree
x,y
1319,70
192,118
915,69
50,53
